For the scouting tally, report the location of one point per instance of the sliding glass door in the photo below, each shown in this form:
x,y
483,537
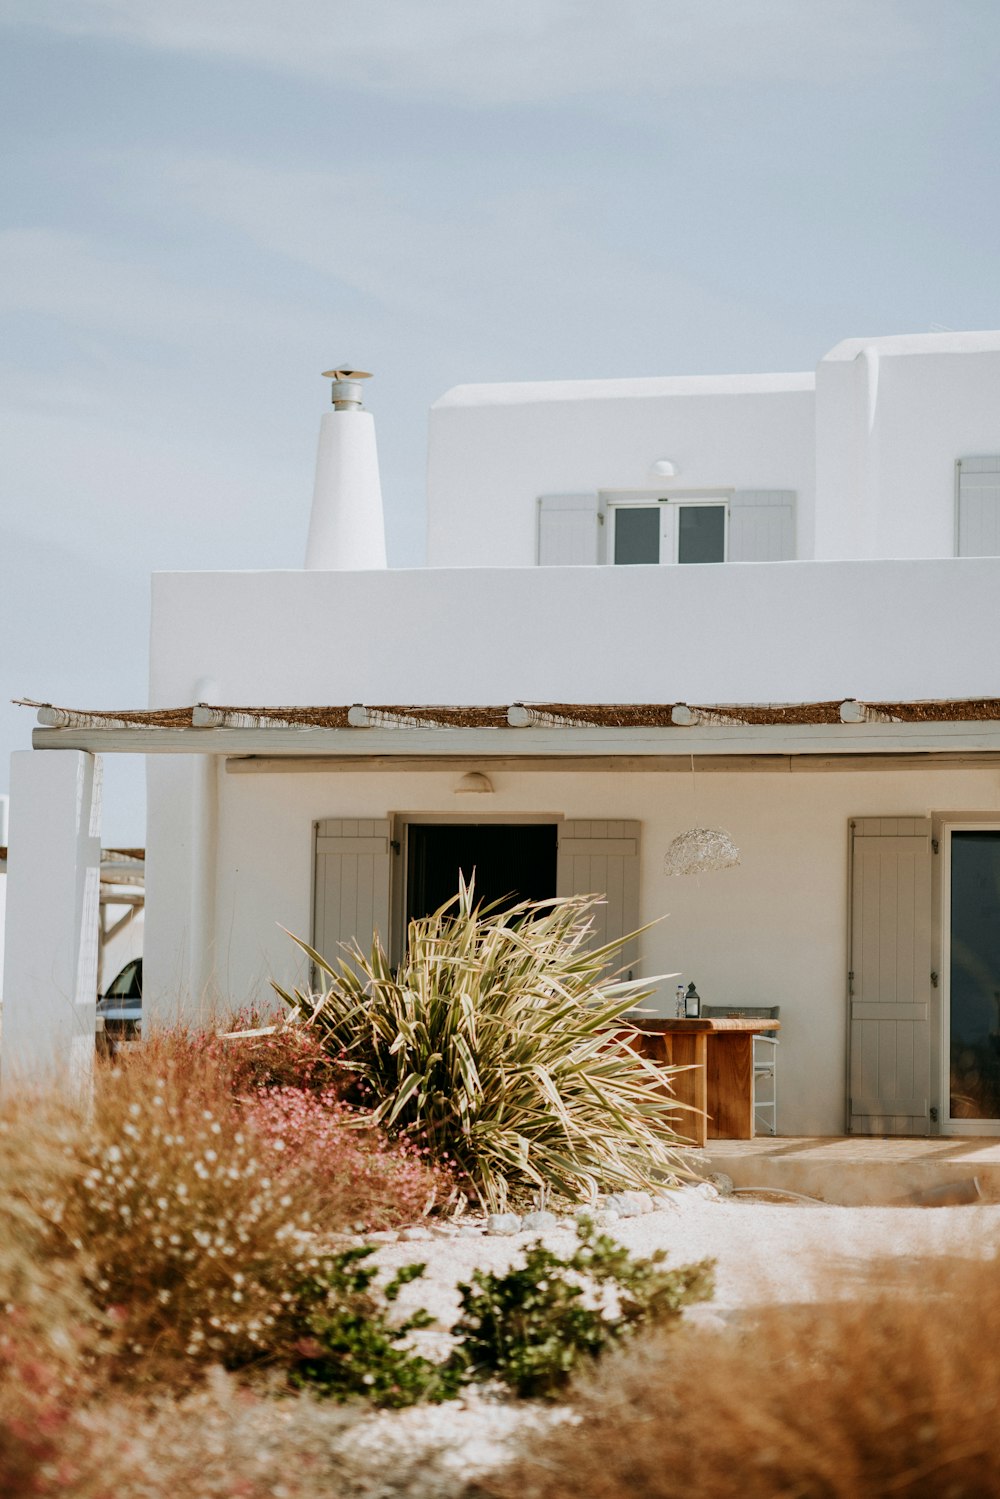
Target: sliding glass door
x,y
971,1012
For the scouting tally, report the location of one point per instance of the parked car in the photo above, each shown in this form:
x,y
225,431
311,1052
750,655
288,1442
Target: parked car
x,y
119,1009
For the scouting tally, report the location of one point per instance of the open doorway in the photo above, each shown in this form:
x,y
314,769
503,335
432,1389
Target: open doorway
x,y
510,861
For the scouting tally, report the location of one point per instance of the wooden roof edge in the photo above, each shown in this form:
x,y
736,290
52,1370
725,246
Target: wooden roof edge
x,y
204,716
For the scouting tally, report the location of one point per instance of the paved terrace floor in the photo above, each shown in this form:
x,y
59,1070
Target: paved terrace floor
x,y
860,1171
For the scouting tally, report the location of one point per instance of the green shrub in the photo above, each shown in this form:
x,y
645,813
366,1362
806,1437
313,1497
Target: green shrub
x,y
500,1044
350,1348
534,1325
531,1326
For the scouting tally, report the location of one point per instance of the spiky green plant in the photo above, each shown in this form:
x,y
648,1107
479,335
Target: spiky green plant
x,y
500,1044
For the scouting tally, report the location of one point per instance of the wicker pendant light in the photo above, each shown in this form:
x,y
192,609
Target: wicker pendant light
x,y
701,851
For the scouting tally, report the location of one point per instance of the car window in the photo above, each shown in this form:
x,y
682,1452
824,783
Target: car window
x,y
129,981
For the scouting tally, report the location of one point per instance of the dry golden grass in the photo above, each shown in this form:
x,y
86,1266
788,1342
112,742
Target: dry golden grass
x,y
893,1392
175,1218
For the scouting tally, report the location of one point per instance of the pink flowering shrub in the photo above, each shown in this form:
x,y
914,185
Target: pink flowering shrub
x,y
358,1175
291,1056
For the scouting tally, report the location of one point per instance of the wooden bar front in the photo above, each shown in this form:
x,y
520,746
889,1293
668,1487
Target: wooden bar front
x,y
718,1053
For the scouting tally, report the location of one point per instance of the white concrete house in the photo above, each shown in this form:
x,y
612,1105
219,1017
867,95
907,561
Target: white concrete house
x,y
764,603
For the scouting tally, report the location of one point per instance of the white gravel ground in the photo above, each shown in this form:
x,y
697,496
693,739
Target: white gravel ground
x,y
766,1251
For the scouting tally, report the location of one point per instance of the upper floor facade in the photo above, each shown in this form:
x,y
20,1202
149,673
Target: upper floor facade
x,y
891,450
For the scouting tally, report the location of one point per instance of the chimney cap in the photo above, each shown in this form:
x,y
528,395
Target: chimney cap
x,y
345,392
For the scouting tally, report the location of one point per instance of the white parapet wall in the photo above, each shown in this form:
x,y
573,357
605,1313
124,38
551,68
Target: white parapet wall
x,y
754,632
52,928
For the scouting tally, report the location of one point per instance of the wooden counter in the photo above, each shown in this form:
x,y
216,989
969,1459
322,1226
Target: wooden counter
x,y
718,1051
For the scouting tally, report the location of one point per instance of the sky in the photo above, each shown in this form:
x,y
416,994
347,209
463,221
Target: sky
x,y
205,203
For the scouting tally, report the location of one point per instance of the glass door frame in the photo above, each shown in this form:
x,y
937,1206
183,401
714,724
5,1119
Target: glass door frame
x,y
987,823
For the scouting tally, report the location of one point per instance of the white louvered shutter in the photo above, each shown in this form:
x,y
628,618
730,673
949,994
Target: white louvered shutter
x,y
762,525
351,897
570,530
978,530
602,858
890,979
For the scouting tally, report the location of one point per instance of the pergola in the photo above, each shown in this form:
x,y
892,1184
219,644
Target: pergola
x,y
54,874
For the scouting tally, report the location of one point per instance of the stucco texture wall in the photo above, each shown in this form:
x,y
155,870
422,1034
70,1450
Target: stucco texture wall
x,y
744,632
890,424
489,461
772,931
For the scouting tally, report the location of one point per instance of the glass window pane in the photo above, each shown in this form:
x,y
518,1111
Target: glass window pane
x,y
701,534
975,975
637,533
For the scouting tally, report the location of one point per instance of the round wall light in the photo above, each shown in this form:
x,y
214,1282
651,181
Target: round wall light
x,y
474,783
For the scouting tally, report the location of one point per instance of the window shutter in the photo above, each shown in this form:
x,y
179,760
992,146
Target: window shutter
x,y
890,983
602,858
570,530
351,897
762,525
978,528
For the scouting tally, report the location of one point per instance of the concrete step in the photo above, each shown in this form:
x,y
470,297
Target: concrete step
x,y
863,1171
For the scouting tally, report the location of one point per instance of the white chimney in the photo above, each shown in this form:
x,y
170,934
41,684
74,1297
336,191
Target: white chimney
x,y
346,528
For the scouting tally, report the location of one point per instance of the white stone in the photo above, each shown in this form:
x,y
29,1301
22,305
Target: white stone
x,y
622,1204
415,1234
503,1223
540,1220
642,1201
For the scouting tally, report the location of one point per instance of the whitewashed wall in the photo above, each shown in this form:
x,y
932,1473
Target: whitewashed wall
x,y
750,632
869,443
892,417
495,448
770,932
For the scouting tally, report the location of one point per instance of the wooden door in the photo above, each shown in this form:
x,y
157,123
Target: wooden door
x,y
889,981
351,890
602,858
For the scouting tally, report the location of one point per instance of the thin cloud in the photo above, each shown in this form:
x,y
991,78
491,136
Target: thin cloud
x,y
93,285
406,257
523,51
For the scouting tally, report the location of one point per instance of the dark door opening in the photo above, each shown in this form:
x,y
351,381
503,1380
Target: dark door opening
x,y
511,862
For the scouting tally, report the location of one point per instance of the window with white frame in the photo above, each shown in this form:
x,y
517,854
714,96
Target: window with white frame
x,y
682,529
629,527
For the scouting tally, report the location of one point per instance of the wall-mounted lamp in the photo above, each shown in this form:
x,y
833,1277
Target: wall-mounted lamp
x,y
664,469
473,782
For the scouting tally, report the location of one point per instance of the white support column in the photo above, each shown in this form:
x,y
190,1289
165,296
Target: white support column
x,y
53,905
204,836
